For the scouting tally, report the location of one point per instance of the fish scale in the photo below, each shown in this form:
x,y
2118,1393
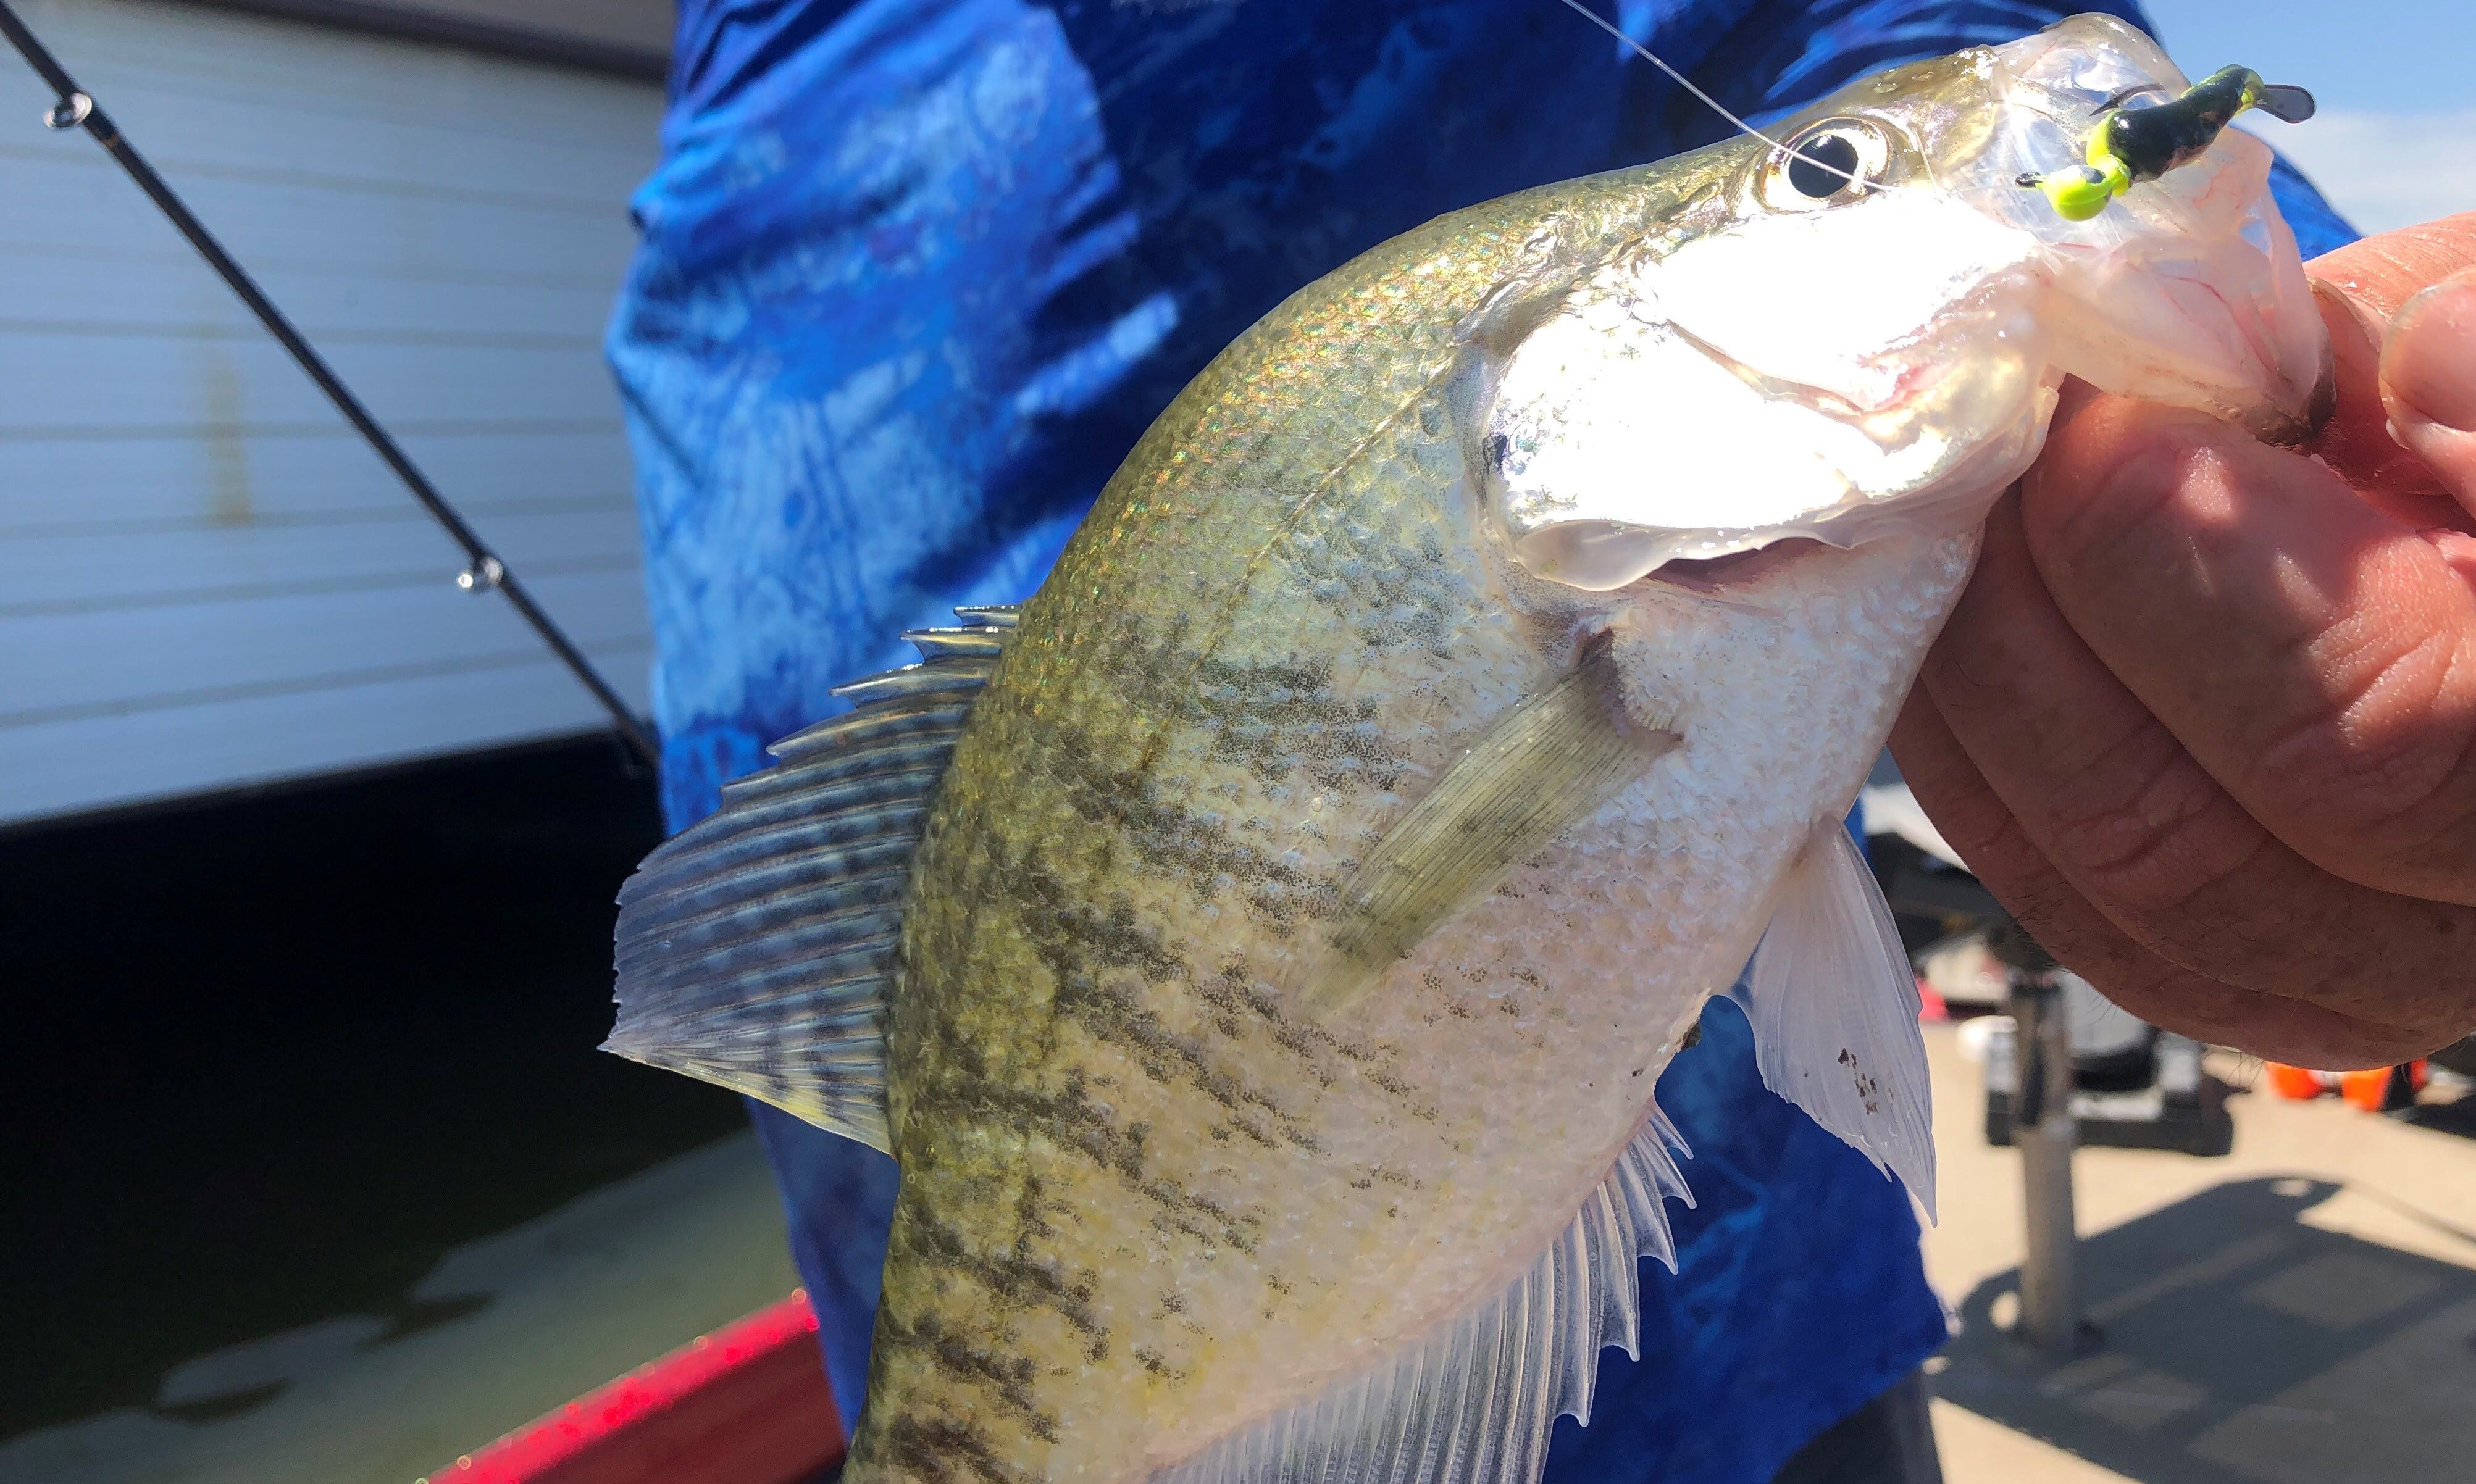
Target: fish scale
x,y
1307,887
1085,773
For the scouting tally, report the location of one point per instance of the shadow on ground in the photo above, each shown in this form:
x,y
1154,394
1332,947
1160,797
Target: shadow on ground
x,y
2242,1345
2455,1118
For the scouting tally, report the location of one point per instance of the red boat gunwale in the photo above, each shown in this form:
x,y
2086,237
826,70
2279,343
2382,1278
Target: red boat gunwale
x,y
746,1404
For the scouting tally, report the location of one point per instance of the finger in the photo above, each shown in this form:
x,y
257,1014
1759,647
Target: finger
x,y
2359,289
2428,374
1977,825
2356,441
2109,797
2384,271
2315,656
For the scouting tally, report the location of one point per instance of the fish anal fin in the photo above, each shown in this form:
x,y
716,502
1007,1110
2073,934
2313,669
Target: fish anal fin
x,y
756,949
1834,1005
1536,771
1474,1401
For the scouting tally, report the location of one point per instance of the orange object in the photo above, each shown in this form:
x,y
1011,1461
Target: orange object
x,y
2385,1088
2300,1083
2366,1090
2373,1089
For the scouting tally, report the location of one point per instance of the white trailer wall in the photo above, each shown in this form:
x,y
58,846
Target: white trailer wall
x,y
206,579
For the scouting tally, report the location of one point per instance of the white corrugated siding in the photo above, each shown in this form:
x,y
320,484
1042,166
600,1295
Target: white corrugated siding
x,y
206,579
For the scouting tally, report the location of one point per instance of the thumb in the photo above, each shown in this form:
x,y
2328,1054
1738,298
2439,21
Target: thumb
x,y
2360,289
2428,371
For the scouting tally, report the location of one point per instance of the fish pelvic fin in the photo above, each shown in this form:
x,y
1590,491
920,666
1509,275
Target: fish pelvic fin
x,y
1834,1003
756,949
1538,770
1473,1401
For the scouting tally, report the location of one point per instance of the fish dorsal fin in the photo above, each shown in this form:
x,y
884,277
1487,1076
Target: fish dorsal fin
x,y
1474,1401
756,947
1834,1004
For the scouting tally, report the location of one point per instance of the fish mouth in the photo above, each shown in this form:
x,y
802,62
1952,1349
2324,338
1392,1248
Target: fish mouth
x,y
1725,581
2251,385
1942,430
2244,342
2187,288
1725,395
1892,422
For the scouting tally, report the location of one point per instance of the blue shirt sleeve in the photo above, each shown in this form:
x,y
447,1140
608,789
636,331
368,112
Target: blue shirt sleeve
x,y
2317,225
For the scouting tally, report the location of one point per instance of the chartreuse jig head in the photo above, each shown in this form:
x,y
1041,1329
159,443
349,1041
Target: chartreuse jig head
x,y
2134,144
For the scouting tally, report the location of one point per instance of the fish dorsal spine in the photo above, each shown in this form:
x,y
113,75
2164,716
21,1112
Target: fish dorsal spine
x,y
757,948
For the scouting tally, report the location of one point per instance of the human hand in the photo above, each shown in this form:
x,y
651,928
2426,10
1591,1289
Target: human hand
x,y
2205,720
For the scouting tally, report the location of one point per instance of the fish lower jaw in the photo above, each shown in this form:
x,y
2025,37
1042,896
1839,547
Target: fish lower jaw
x,y
1621,560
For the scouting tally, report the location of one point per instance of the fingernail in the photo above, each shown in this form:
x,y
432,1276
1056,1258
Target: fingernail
x,y
2429,360
2355,336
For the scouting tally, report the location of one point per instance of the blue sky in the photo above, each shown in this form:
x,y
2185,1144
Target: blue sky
x,y
2395,141
2373,56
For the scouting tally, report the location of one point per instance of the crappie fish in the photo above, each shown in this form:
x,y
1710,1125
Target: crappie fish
x,y
1259,953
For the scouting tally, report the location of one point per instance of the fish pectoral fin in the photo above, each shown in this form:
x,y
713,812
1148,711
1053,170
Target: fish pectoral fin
x,y
1474,1399
1834,1004
1538,770
756,949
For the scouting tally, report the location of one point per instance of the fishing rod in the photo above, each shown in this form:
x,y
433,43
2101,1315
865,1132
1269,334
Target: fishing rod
x,y
485,571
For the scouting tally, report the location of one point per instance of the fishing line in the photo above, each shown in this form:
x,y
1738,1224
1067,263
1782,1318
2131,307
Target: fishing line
x,y
1719,108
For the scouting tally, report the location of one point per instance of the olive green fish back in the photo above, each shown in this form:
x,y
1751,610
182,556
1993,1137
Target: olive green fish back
x,y
1281,599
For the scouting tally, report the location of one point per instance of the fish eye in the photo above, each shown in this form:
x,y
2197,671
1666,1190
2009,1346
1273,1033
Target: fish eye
x,y
1824,167
1836,160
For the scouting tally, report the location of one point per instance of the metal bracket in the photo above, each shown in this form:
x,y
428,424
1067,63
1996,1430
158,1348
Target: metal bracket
x,y
69,112
483,577
2043,1131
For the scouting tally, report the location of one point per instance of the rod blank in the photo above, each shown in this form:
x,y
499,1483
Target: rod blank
x,y
484,569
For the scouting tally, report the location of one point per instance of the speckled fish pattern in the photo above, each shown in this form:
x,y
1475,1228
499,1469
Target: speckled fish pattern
x,y
1144,1198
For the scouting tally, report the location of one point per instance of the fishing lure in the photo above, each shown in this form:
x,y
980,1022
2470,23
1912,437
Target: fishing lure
x,y
2135,140
2132,143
